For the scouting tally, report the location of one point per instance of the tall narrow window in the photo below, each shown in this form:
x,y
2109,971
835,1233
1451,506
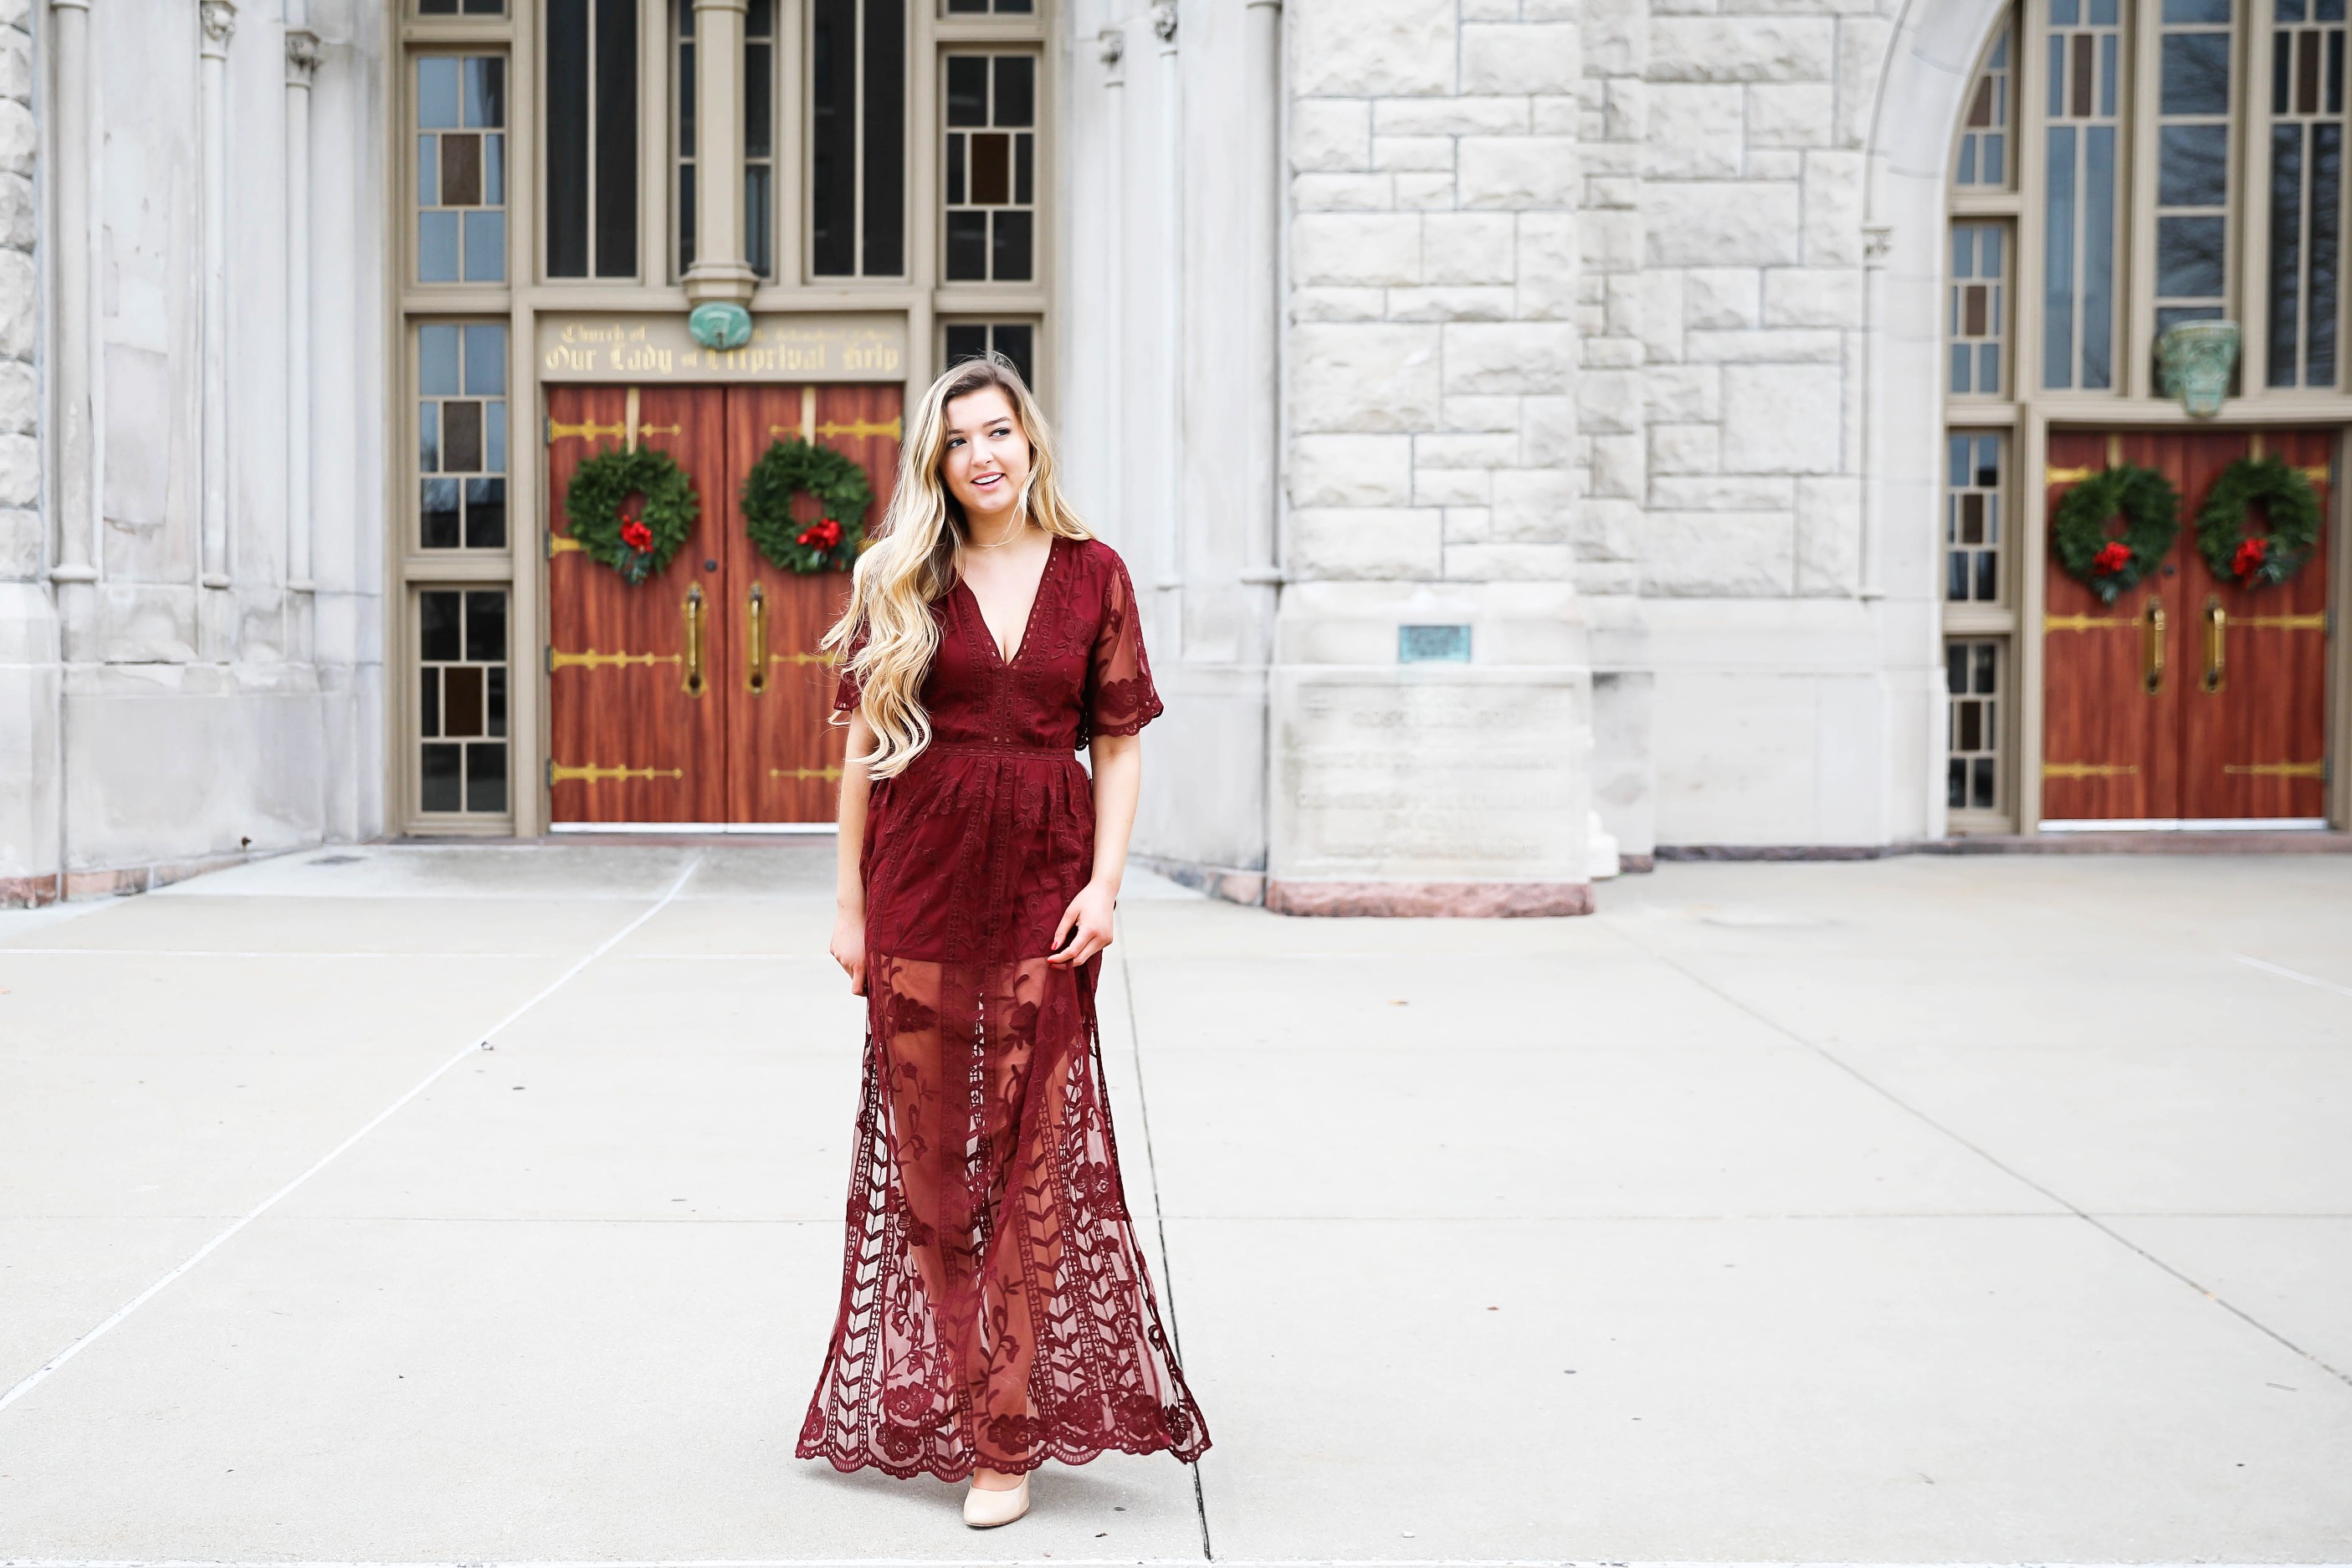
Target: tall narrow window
x,y
2084,49
1983,160
857,138
461,420
2193,163
760,137
991,168
1979,317
2307,194
1972,517
1016,341
681,94
1973,685
469,7
461,169
591,137
461,683
984,7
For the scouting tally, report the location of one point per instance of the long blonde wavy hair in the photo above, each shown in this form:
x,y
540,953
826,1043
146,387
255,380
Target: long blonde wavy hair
x,y
913,560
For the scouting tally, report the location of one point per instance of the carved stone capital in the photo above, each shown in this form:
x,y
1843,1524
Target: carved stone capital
x,y
219,21
1877,244
1112,42
301,56
1163,20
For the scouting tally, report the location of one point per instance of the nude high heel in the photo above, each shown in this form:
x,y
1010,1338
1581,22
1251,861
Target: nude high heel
x,y
986,1510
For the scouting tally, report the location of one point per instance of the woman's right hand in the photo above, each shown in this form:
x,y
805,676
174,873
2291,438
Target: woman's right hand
x,y
849,948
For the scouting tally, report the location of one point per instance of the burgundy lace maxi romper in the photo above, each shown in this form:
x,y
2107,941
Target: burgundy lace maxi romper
x,y
994,1305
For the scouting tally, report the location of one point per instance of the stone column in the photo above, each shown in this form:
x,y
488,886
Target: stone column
x,y
1170,326
75,561
301,61
720,271
1261,220
219,21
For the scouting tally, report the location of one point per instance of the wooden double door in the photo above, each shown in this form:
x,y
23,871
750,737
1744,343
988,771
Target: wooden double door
x,y
2189,697
699,696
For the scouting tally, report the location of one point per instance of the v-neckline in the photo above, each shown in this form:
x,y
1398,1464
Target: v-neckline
x,y
1028,621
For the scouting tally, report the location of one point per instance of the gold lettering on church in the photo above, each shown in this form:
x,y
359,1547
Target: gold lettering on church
x,y
862,347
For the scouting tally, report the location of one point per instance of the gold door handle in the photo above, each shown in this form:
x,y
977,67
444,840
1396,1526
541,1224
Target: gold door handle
x,y
755,672
2217,627
694,641
2152,648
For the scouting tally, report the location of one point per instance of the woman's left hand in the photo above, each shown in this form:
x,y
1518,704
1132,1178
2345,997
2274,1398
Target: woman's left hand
x,y
1085,928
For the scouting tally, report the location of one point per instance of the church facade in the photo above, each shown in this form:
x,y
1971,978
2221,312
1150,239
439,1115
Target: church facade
x,y
1543,431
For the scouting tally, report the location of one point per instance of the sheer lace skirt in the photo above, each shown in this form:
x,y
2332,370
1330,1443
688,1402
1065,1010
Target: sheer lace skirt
x,y
995,1309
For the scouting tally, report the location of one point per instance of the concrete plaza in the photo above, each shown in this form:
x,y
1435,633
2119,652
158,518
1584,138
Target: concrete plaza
x,y
1984,1210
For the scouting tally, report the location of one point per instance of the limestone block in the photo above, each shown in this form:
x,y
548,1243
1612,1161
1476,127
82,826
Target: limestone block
x,y
1491,451
1549,262
1455,304
1469,247
1351,470
19,225
1833,203
1452,487
1330,134
1602,193
1548,437
1791,115
1812,296
1343,192
1602,353
1661,313
1863,43
1525,357
1560,115
1509,562
1463,116
1829,535
1684,394
1621,466
1782,418
1785,345
1518,172
1363,377
1540,57
20,471
1469,524
1490,10
20,397
1684,449
1742,49
1593,579
1616,32
17,137
1343,542
16,14
1697,131
1417,155
1609,402
1480,414
15,62
1610,241
1625,110
1338,304
1736,553
1722,492
19,304
1608,527
1546,297
1704,223
1775,163
1534,505
1361,249
1425,193
1372,47
1716,298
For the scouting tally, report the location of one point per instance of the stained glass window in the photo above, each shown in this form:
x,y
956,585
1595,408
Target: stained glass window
x,y
591,120
857,138
985,7
2084,48
991,167
2307,189
1983,161
461,413
461,169
461,683
1972,517
2193,163
1978,319
1972,687
1016,341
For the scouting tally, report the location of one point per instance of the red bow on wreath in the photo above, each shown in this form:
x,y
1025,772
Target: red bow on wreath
x,y
636,535
2112,556
2251,553
823,535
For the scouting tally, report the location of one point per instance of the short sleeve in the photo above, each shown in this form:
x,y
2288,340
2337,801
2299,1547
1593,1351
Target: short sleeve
x,y
846,693
1120,700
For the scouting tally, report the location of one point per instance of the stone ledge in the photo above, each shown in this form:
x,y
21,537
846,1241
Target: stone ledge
x,y
2286,841
1231,884
115,883
1446,900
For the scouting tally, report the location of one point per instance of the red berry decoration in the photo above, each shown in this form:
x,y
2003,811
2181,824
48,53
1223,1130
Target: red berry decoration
x,y
2112,557
2225,533
636,535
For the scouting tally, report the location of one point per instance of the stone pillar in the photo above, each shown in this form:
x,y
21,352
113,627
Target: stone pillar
x,y
30,834
1170,328
301,61
1260,307
219,22
720,270
70,364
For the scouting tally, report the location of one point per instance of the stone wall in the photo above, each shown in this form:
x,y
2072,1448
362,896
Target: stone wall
x,y
28,635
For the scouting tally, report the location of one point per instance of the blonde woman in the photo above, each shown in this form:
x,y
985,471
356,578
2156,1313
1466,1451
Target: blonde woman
x,y
995,1310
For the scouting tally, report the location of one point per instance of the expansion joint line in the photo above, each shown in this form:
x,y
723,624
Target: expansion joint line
x,y
1159,1214
474,1044
1996,1163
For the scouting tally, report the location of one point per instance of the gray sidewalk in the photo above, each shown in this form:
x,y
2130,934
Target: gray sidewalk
x,y
1926,1210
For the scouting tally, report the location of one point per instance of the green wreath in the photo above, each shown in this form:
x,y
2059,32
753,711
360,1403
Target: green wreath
x,y
2249,559
636,547
2103,562
786,469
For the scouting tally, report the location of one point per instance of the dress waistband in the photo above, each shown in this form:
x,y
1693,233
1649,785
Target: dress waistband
x,y
1000,749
